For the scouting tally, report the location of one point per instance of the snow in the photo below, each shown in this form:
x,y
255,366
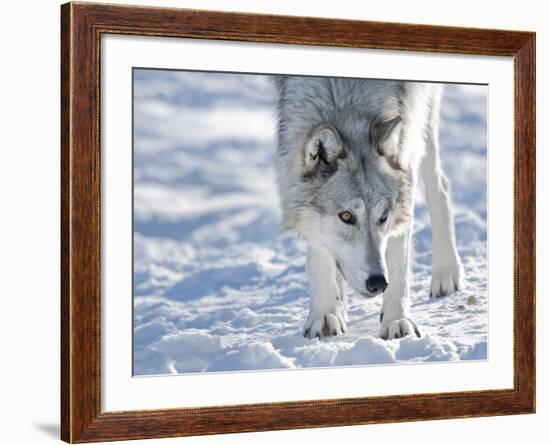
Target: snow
x,y
217,287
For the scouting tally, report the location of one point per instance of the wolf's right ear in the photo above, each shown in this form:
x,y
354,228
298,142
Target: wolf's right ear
x,y
323,147
385,135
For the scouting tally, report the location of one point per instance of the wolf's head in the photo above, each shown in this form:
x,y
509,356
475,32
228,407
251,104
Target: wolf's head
x,y
353,193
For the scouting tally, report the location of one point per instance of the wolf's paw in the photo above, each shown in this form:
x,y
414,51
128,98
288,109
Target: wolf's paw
x,y
398,329
447,280
325,325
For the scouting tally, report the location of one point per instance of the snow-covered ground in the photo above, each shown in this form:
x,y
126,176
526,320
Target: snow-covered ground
x,y
217,287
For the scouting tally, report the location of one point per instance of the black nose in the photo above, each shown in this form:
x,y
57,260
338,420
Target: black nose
x,y
376,284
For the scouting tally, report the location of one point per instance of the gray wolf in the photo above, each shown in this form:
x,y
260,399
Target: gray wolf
x,y
347,163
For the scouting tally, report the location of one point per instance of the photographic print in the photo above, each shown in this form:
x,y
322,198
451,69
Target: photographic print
x,y
243,222
286,222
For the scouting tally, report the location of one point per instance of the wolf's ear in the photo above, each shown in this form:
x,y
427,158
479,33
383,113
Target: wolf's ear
x,y
323,147
385,135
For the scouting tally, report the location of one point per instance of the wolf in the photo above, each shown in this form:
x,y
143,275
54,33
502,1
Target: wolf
x,y
347,164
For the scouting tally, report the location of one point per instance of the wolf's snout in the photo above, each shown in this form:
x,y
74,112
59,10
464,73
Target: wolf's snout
x,y
376,284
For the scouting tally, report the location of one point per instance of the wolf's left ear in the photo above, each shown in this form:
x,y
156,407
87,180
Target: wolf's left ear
x,y
385,135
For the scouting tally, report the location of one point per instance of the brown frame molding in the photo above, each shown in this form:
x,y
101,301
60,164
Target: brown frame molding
x,y
82,25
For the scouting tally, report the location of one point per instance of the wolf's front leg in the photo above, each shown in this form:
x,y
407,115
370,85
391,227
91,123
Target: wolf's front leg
x,y
395,320
327,309
447,269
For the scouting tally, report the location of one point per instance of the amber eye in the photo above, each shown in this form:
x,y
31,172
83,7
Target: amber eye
x,y
384,217
347,217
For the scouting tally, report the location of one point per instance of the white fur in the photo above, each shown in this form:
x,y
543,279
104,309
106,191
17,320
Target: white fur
x,y
447,270
327,304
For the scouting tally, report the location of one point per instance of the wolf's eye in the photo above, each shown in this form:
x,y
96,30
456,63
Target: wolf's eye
x,y
347,217
384,217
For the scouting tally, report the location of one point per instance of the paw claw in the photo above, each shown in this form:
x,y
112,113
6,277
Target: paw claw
x,y
327,325
415,328
399,328
446,280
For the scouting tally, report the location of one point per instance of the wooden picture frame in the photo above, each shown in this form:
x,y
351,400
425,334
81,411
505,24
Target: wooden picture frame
x,y
82,25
